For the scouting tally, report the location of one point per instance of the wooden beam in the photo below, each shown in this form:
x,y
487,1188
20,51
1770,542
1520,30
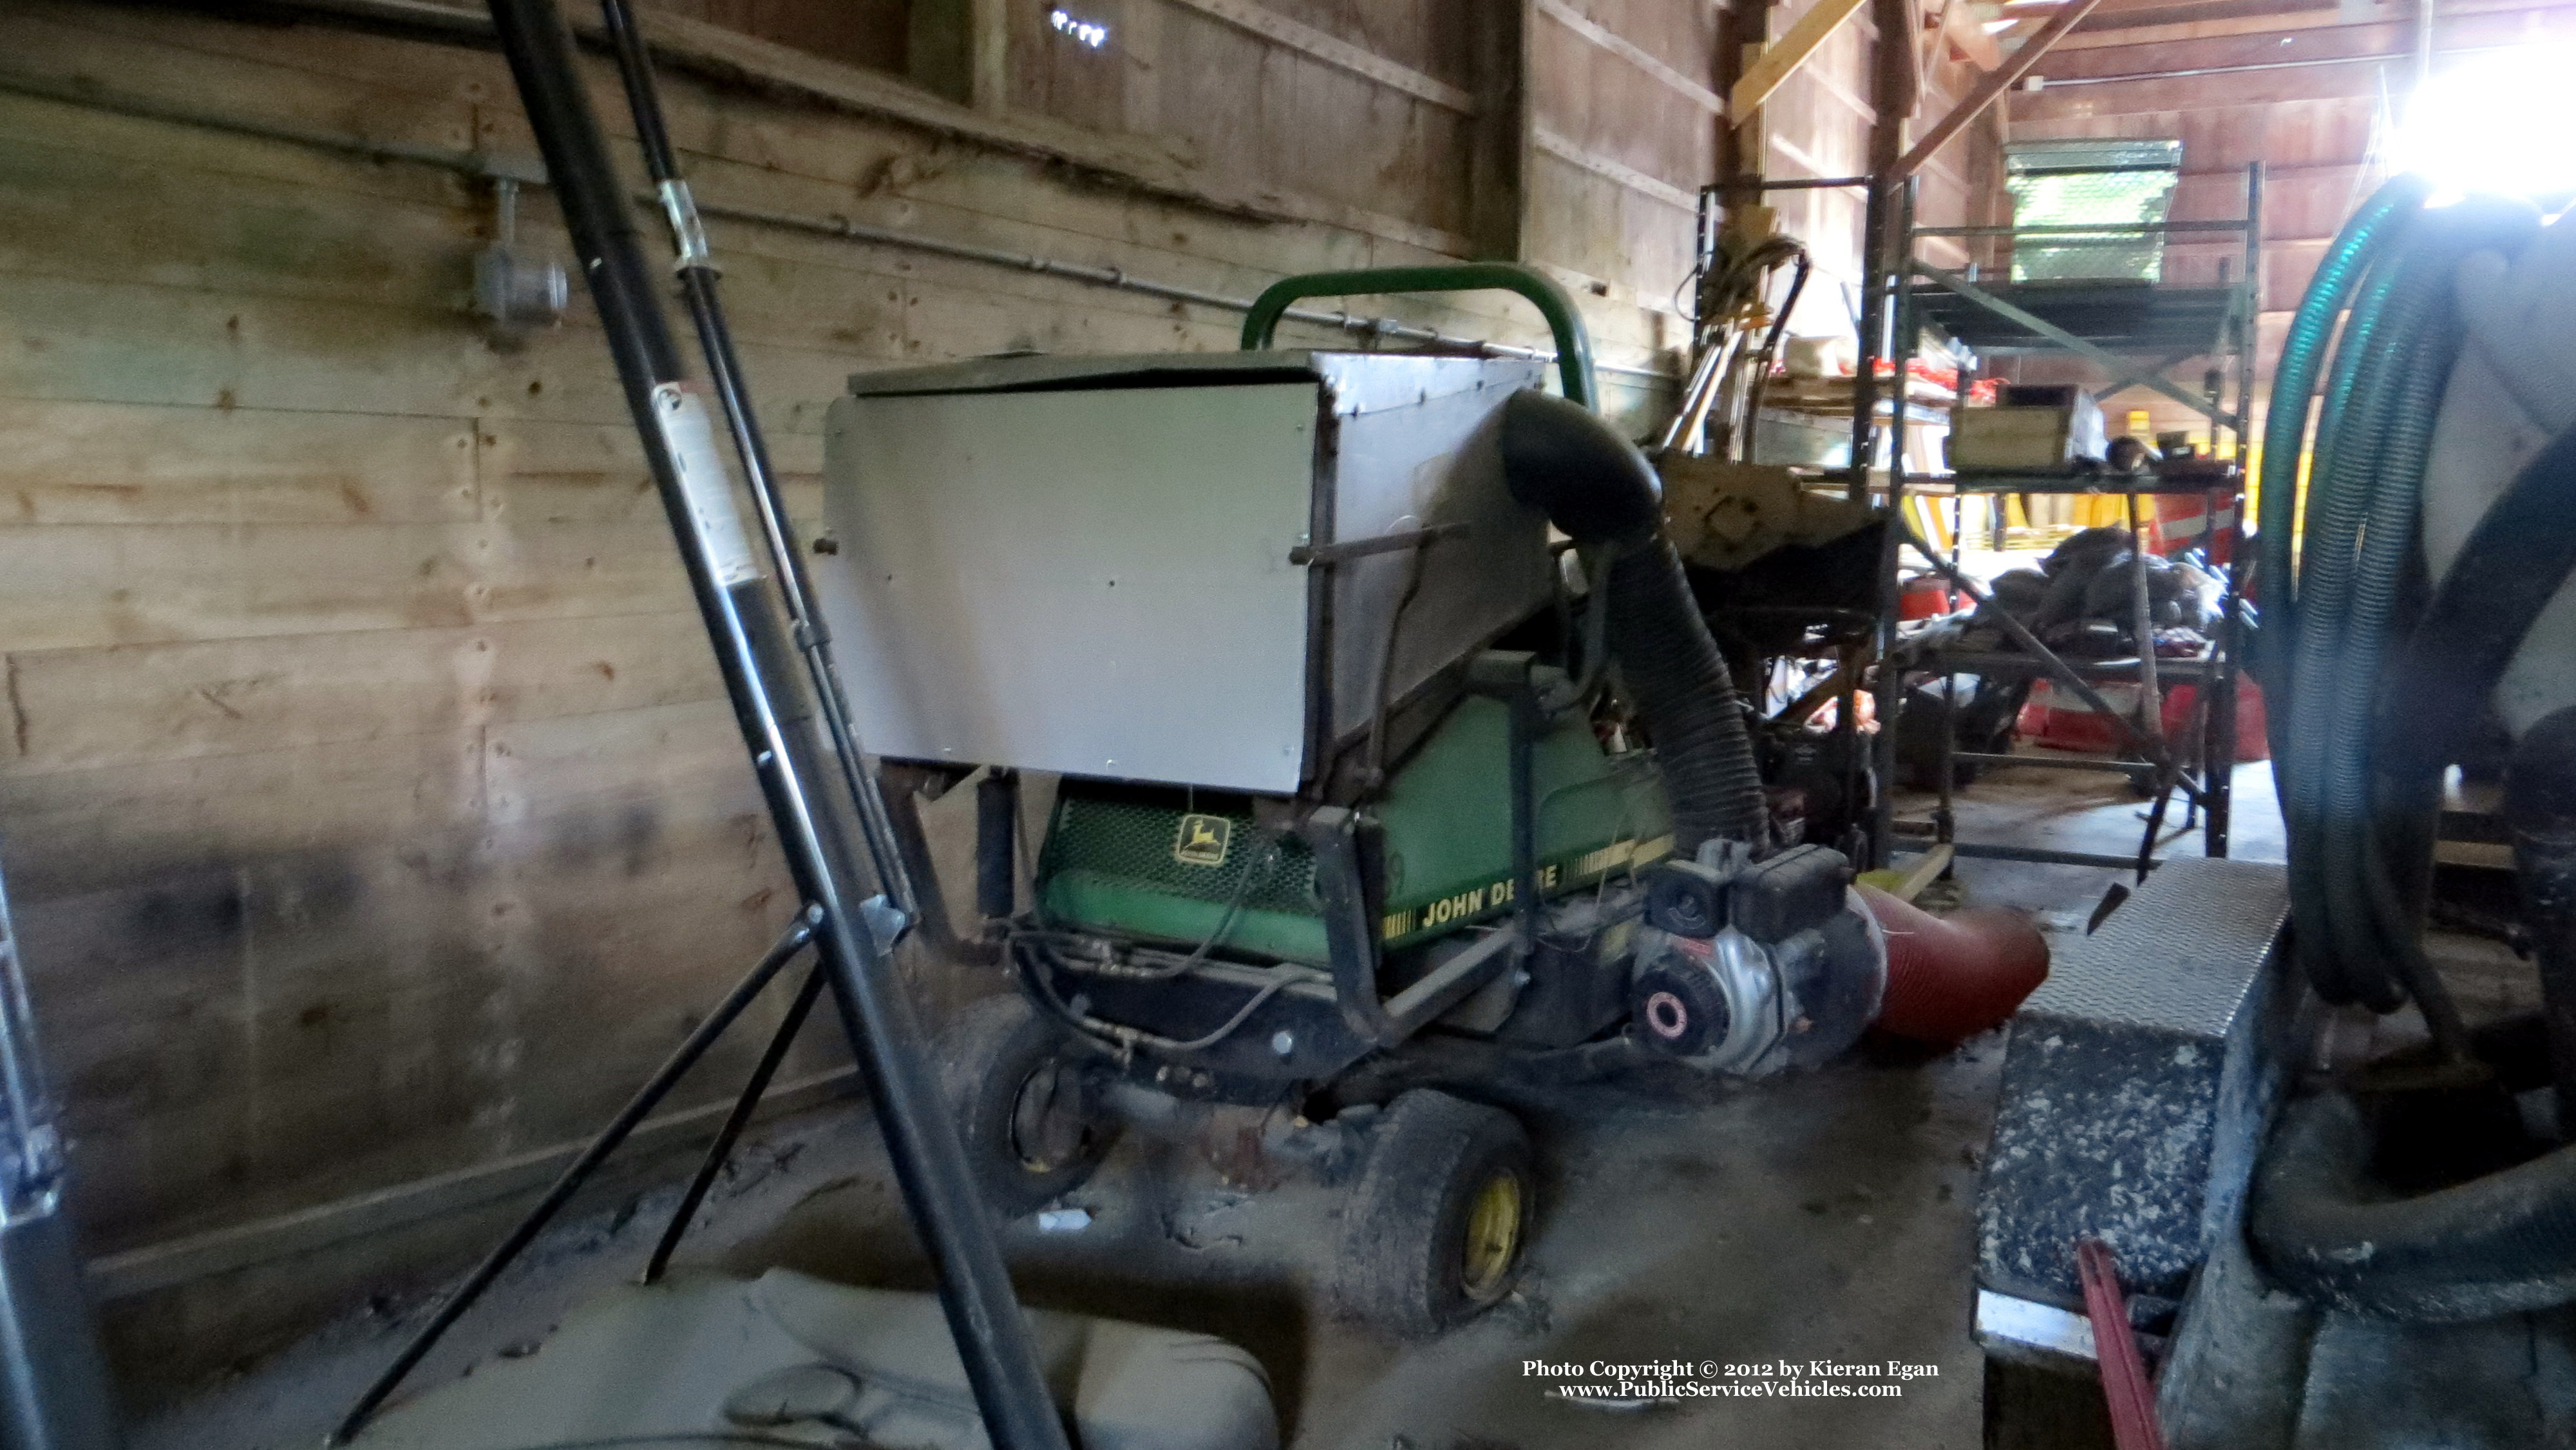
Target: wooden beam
x,y
959,49
1782,60
1967,34
2243,25
1899,22
185,1260
1997,81
1334,51
1599,35
1502,138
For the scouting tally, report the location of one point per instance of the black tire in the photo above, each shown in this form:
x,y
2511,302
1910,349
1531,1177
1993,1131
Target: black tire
x,y
2037,1409
1025,1105
1413,1261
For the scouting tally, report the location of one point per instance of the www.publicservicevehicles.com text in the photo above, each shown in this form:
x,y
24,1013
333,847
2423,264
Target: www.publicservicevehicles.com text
x,y
1712,1379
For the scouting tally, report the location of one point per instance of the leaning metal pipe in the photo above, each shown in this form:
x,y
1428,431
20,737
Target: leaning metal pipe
x,y
698,274
734,596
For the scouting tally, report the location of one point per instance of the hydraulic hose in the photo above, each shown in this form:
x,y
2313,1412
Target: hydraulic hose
x,y
1592,483
2333,521
2337,280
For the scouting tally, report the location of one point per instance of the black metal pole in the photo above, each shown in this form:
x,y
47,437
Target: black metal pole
x,y
744,1105
569,1182
734,598
698,280
1899,253
1873,327
997,874
54,1388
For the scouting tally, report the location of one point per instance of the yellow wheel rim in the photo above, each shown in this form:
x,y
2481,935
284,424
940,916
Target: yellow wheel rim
x,y
1493,1236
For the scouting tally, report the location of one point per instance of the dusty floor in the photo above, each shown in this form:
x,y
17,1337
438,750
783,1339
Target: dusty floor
x,y
1824,1216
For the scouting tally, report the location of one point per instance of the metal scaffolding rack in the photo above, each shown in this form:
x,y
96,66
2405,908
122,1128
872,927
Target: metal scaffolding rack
x,y
2135,331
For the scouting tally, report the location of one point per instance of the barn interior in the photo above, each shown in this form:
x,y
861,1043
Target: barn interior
x,y
1418,724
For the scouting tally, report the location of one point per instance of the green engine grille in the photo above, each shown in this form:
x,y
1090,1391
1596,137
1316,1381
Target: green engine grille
x,y
1135,844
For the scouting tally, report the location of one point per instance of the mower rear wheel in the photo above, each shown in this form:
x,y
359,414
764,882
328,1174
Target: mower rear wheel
x,y
1025,1105
1433,1234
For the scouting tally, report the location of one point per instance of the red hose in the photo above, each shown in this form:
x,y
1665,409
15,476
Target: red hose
x,y
1950,978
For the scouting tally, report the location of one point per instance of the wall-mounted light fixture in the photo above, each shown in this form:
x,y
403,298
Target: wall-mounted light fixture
x,y
515,292
1090,33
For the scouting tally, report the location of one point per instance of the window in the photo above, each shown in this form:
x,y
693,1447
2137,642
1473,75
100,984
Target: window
x,y
2498,122
2095,182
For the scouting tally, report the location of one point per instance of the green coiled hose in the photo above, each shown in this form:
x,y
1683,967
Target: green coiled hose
x,y
2360,835
2294,386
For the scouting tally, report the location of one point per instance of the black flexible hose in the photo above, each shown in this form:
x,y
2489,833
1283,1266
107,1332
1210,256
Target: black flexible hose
x,y
1680,682
2359,816
2501,1244
2506,1242
1592,483
2515,561
2540,805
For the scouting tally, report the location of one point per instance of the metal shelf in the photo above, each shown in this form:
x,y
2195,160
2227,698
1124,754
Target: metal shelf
x,y
2134,331
2116,316
2000,663
2053,481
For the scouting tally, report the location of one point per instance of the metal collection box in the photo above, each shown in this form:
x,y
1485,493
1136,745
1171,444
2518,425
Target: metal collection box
x,y
1124,566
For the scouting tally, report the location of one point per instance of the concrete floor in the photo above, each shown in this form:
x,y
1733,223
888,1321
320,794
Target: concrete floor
x,y
1821,1216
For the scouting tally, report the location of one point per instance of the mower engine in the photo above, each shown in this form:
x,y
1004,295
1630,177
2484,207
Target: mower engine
x,y
1749,968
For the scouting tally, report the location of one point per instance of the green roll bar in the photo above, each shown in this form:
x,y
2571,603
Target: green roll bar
x,y
1573,344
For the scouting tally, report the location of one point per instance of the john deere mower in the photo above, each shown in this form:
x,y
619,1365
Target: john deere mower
x,y
1391,760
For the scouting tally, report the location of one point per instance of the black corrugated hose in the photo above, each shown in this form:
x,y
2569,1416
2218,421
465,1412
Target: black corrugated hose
x,y
1599,489
2360,844
2506,1242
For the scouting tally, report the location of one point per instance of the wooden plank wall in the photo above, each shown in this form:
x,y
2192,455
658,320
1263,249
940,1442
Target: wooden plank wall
x,y
870,33
1820,123
1371,107
2316,129
367,799
1625,108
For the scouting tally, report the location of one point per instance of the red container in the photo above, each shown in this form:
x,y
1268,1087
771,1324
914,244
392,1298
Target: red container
x,y
2181,521
2057,718
1925,596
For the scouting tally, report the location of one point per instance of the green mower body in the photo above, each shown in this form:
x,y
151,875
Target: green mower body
x,y
1169,864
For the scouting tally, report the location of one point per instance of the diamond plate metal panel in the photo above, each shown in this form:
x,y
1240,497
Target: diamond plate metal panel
x,y
2137,1083
2179,957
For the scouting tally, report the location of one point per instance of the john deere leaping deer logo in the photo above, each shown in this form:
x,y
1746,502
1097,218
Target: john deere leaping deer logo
x,y
1202,840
